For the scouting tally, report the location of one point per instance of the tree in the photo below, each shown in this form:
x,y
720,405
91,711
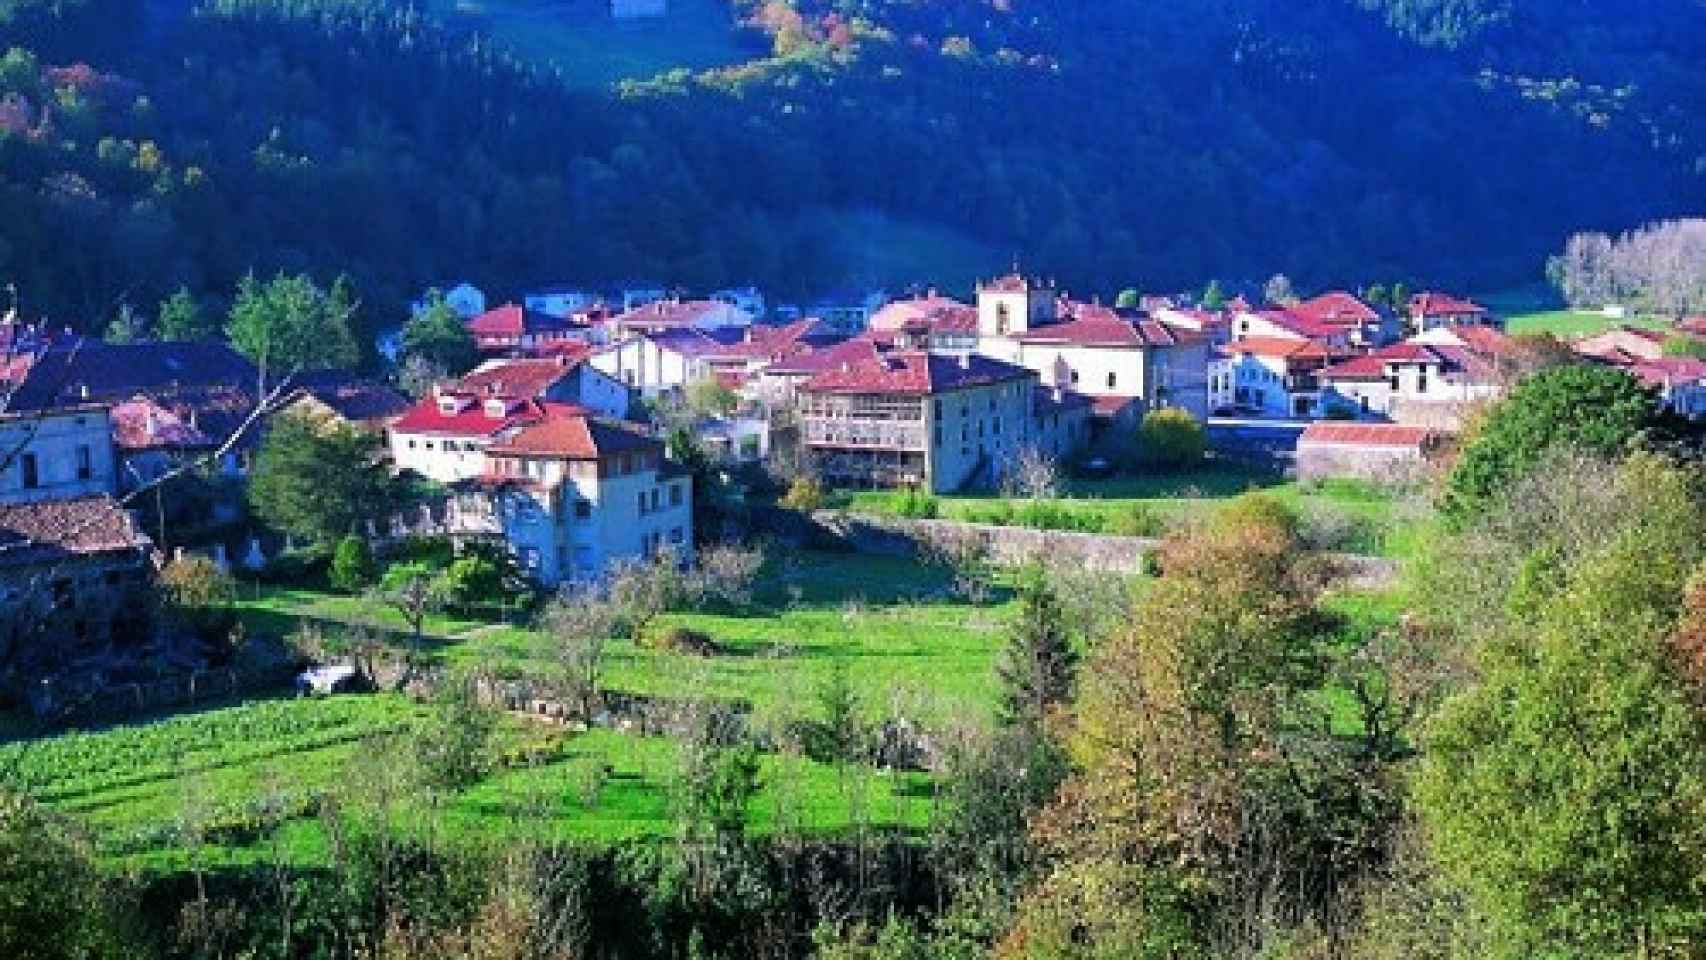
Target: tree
x,y
199,597
319,480
1172,438
55,901
1213,297
1278,290
1591,409
1129,299
805,494
1037,665
438,336
1199,763
289,324
352,569
1033,474
839,736
181,318
580,624
452,745
1562,789
414,590
128,327
708,397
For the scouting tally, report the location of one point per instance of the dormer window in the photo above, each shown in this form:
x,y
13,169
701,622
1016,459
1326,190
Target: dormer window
x,y
447,406
496,408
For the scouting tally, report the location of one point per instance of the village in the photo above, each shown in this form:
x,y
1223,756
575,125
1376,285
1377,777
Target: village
x,y
562,445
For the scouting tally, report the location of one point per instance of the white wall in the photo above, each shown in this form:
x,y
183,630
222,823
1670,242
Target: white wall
x,y
641,364
71,453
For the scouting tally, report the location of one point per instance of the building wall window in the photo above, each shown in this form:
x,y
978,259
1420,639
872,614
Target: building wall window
x,y
31,474
85,467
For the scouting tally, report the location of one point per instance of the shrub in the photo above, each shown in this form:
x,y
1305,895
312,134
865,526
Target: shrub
x,y
1172,438
1054,515
1258,510
1136,520
683,640
804,494
999,514
199,597
353,569
914,504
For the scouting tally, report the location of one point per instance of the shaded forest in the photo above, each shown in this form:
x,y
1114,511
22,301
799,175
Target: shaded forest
x,y
1108,144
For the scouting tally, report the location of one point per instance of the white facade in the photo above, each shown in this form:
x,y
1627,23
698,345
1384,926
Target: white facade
x,y
644,364
561,303
1175,376
56,455
577,517
1262,383
749,300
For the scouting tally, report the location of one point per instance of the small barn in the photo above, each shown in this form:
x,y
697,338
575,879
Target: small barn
x,y
1386,453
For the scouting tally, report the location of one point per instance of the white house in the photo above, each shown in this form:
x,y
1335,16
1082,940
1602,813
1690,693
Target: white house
x,y
1429,380
444,437
1276,377
660,316
656,363
572,494
57,454
748,299
559,302
464,298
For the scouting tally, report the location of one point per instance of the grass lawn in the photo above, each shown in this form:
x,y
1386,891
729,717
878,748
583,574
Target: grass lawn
x,y
1535,310
591,49
1378,521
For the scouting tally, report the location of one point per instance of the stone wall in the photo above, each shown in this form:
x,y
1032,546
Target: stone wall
x,y
1006,546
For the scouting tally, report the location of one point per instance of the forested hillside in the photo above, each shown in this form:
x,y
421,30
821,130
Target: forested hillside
x,y
1107,143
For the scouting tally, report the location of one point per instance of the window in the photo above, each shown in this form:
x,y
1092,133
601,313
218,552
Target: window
x,y
1422,380
27,464
411,444
675,494
657,498
1075,378
429,445
676,536
1112,378
583,509
85,468
1003,318
642,496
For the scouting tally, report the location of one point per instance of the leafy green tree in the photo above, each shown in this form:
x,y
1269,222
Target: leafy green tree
x,y
839,736
1213,296
317,480
707,396
1037,664
453,746
1129,299
181,318
414,589
1682,345
1172,438
353,569
438,336
1562,789
128,327
55,901
1596,410
289,324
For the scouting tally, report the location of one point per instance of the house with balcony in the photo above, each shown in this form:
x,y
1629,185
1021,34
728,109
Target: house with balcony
x,y
1432,380
1431,310
908,417
571,493
1276,376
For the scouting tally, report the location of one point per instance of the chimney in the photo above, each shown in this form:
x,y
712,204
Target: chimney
x,y
965,360
1059,394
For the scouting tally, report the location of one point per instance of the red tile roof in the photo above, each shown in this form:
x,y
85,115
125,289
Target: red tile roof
x,y
1367,434
142,424
37,533
662,314
1434,304
1279,347
1093,325
914,372
1337,309
516,378
1305,327
426,417
1365,367
574,434
1110,406
512,320
933,309
1011,283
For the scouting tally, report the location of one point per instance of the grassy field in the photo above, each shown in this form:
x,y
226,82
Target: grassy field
x,y
1536,310
909,652
1373,520
591,49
